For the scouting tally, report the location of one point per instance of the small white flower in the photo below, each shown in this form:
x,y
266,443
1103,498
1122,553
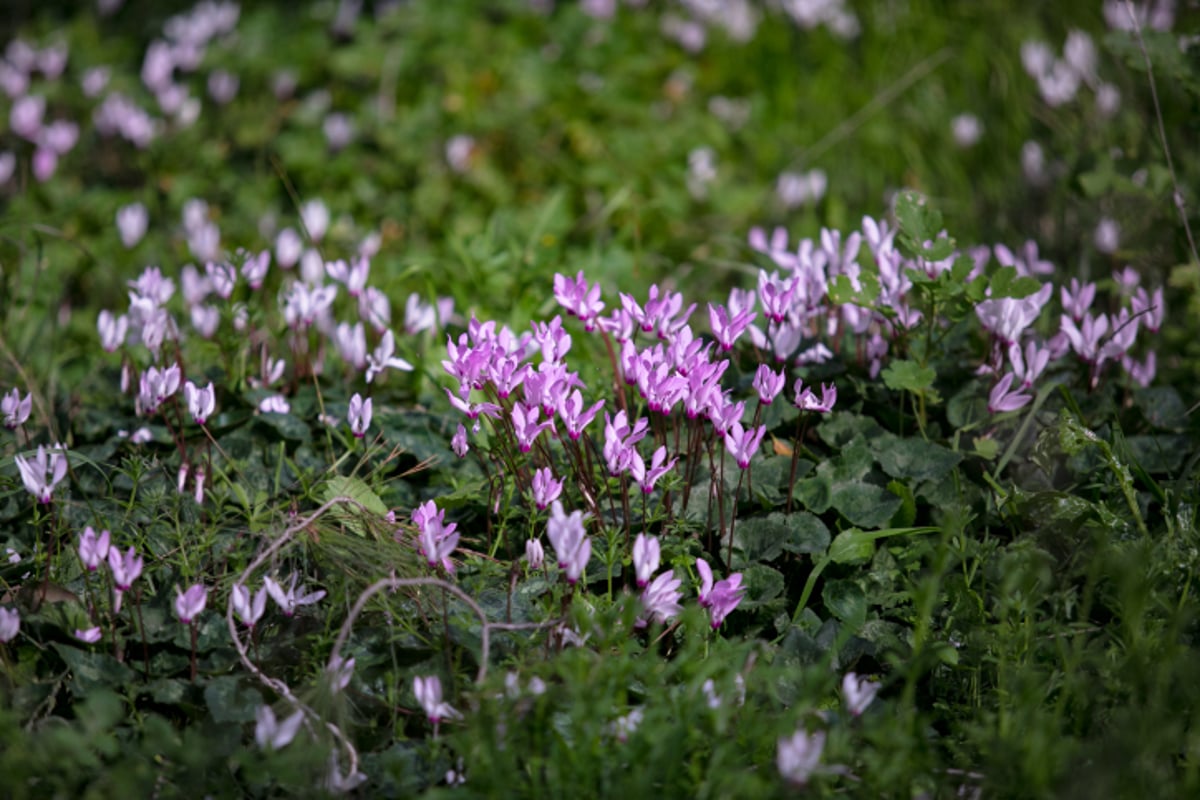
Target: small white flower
x,y
271,734
798,756
858,693
1108,235
274,404
90,636
967,129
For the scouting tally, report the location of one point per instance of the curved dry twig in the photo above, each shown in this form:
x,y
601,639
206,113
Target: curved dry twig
x,y
276,685
285,691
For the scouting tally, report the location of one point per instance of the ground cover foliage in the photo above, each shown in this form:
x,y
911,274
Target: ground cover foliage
x,y
715,399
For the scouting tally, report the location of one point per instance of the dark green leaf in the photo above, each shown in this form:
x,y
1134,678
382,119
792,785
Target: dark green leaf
x,y
864,504
762,585
92,670
852,546
908,376
228,701
847,601
914,458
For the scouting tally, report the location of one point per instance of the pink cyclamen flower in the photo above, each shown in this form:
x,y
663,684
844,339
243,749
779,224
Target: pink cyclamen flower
x,y
526,425
647,476
776,294
1149,309
289,601
112,330
383,357
353,276
858,693
768,383
575,416
724,598
571,545
1002,399
723,414
201,402
535,554
429,694
646,556
624,727
274,404
270,734
190,604
435,539
125,568
1030,367
806,399
89,636
578,299
222,278
728,329
42,473
545,488
340,671
10,624
473,410
15,410
93,549
720,598
459,442
799,756
359,415
1077,298
1142,372
351,341
743,444
156,385
660,600
255,267
249,609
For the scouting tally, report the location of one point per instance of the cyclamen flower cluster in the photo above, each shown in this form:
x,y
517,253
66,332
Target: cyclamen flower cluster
x,y
1059,79
95,549
307,305
660,598
796,304
495,361
526,397
1096,339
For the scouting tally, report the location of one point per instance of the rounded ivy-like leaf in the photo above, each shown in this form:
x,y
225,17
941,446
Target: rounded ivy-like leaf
x,y
847,601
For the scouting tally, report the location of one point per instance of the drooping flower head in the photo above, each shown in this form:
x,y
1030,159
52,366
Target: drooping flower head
x,y
646,556
270,734
359,415
93,549
435,539
429,694
660,600
289,601
42,473
189,604
799,756
249,609
15,410
546,489
125,567
858,693
571,544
